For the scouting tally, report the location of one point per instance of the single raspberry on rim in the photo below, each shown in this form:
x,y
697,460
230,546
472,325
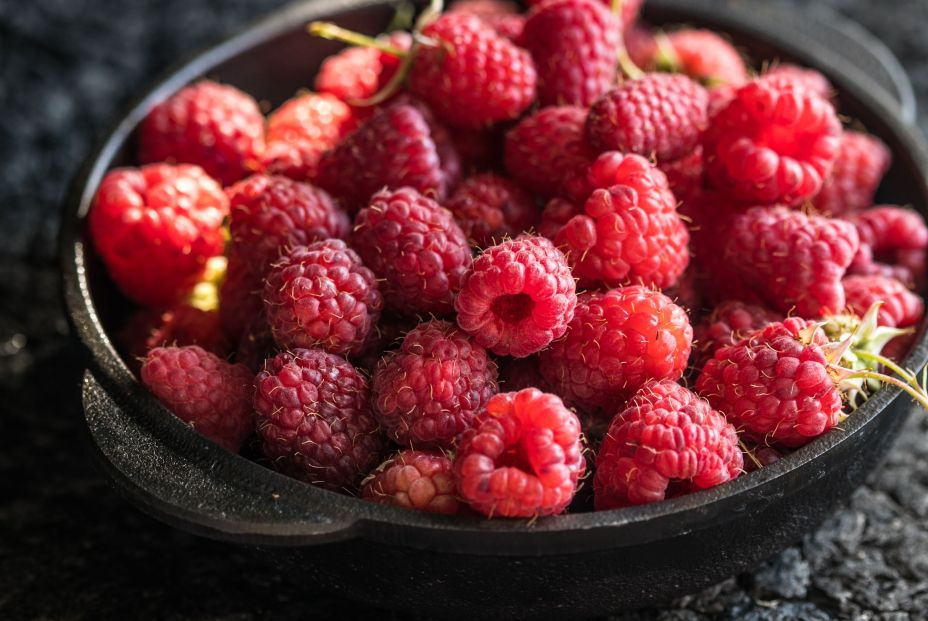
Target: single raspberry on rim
x,y
665,442
214,126
321,295
490,208
518,297
862,161
431,388
421,480
208,393
314,419
522,458
901,308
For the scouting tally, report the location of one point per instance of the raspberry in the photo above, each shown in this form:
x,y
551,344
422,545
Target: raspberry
x,y
239,297
665,442
707,57
211,395
421,480
729,322
522,458
445,145
659,115
630,10
212,125
416,249
321,295
394,148
900,309
301,130
793,261
180,325
256,344
891,236
430,390
617,341
685,176
314,419
862,161
490,208
575,46
545,147
775,142
519,373
518,297
155,227
473,77
500,15
629,230
274,214
774,386
807,78
359,73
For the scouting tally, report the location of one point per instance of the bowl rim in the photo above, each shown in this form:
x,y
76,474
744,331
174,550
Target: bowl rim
x,y
352,516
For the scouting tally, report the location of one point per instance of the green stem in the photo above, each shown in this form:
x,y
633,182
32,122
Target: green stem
x,y
918,394
328,30
889,364
430,14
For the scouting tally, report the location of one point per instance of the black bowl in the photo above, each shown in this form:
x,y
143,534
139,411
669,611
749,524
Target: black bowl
x,y
572,565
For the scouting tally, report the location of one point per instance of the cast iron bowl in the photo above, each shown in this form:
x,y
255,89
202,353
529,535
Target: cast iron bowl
x,y
572,565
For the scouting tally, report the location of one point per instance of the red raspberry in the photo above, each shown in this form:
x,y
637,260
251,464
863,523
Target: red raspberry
x,y
707,57
891,236
239,297
155,227
728,323
359,73
803,76
499,15
473,76
522,458
421,480
518,297
215,126
301,130
321,295
274,214
519,373
685,176
629,230
617,341
415,247
430,390
445,145
774,386
545,147
900,309
394,148
793,261
630,10
775,142
211,395
314,419
659,115
180,325
666,442
256,344
490,208
862,161
575,46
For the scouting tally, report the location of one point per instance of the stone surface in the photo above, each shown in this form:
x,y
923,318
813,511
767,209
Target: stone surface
x,y
70,548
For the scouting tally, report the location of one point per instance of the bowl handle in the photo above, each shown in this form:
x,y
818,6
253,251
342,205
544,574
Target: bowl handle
x,y
216,493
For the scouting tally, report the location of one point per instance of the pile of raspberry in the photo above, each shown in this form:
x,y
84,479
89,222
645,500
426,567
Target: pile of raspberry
x,y
474,265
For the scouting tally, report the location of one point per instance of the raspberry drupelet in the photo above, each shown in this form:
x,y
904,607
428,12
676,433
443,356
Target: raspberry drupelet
x,y
664,443
522,458
421,480
518,297
314,419
431,388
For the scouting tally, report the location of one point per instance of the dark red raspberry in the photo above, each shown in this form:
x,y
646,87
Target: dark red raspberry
x,y
256,344
386,336
705,56
575,46
555,215
545,147
416,248
358,73
522,458
617,341
239,297
774,386
518,297
765,456
421,480
479,150
314,419
793,261
519,373
900,307
155,227
215,126
862,161
775,142
629,230
430,390
394,148
728,323
893,240
473,76
658,115
211,395
273,214
805,77
180,325
666,442
685,176
321,295
490,208
301,130
445,144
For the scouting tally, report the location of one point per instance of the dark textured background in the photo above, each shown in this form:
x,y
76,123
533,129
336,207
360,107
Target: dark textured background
x,y
71,549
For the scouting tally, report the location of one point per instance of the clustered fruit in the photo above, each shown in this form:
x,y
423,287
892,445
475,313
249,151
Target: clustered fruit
x,y
504,253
